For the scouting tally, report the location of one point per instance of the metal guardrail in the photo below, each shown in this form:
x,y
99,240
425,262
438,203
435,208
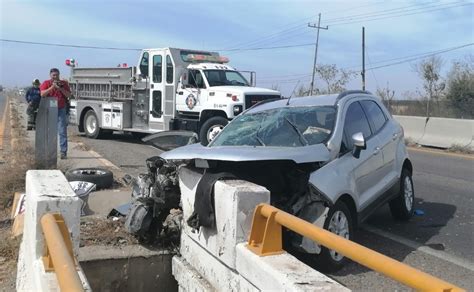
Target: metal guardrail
x,y
266,239
59,255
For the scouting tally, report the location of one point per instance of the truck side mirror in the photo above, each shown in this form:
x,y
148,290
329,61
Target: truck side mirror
x,y
359,143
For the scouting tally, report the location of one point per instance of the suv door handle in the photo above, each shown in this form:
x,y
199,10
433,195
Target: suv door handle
x,y
377,150
395,136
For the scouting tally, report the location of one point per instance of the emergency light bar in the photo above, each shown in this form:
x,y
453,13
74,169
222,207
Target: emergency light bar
x,y
71,62
205,58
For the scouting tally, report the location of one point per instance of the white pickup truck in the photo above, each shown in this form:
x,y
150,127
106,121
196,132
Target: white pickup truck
x,y
169,89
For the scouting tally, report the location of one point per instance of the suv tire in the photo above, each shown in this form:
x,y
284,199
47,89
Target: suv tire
x,y
102,178
402,207
338,216
211,127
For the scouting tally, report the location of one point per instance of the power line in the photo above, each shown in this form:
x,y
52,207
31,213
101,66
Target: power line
x,y
68,45
423,57
403,9
136,49
266,48
282,76
370,63
268,37
357,7
300,22
398,15
276,35
404,59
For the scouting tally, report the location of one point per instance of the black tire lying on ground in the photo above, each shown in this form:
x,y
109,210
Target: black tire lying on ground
x,y
102,178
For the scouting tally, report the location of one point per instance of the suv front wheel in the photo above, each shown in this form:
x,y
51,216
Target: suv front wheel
x,y
338,221
402,206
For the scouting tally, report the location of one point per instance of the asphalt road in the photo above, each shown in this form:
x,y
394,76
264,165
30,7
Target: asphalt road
x,y
438,241
3,121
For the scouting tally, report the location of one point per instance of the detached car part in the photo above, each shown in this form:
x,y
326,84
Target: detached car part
x,y
154,194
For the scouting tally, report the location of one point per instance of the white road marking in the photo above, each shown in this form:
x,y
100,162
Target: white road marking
x,y
103,160
419,247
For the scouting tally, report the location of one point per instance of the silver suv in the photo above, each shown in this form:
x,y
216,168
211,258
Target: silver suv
x,y
331,160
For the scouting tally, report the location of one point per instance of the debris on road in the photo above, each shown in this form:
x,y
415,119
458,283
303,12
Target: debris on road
x,y
154,195
82,190
419,212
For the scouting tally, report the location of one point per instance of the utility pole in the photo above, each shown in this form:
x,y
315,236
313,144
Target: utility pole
x,y
363,58
318,27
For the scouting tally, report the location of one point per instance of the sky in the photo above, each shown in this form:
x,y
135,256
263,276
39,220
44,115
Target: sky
x,y
393,30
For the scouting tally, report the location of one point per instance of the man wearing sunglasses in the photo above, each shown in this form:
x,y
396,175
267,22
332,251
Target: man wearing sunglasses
x,y
55,87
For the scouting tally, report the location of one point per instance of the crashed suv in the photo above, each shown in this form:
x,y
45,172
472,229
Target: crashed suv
x,y
331,160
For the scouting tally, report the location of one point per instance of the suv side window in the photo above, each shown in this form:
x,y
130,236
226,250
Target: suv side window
x,y
375,114
355,121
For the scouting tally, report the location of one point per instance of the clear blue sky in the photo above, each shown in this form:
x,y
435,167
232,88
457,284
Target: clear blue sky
x,y
215,25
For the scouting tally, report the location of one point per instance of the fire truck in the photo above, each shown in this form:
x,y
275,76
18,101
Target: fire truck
x,y
169,89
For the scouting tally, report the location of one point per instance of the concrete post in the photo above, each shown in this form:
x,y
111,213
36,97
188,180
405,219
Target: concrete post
x,y
46,134
218,260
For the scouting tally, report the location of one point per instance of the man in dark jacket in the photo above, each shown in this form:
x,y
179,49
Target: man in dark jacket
x,y
33,98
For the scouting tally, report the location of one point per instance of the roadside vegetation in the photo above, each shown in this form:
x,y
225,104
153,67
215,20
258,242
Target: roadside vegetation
x,y
455,148
18,160
446,92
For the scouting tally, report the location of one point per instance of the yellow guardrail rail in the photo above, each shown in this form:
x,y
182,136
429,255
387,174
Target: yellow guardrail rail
x,y
266,239
59,255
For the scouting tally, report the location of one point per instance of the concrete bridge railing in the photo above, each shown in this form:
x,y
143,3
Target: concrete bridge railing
x,y
47,191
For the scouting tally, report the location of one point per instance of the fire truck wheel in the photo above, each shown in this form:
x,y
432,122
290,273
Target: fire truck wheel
x,y
211,128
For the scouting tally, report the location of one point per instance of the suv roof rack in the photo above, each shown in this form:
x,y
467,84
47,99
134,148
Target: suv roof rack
x,y
348,92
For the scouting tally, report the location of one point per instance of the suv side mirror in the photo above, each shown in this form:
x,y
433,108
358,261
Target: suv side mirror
x,y
358,141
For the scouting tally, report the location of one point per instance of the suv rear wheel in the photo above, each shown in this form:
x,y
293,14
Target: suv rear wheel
x,y
338,221
402,207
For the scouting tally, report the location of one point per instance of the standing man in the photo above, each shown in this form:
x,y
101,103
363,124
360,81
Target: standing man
x,y
59,89
33,99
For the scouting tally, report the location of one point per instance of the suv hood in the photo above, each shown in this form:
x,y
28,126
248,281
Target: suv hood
x,y
245,90
313,153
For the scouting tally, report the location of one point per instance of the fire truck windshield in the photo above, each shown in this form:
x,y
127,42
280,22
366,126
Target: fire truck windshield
x,y
225,78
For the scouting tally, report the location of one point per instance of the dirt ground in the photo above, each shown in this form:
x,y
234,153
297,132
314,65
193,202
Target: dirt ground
x,y
17,160
103,231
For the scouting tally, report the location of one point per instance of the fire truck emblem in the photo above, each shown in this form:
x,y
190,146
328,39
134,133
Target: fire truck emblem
x,y
190,101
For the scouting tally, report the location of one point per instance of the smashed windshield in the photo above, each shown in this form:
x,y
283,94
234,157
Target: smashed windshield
x,y
225,78
282,127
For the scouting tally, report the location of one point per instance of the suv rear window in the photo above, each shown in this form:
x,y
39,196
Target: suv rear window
x,y
374,113
355,122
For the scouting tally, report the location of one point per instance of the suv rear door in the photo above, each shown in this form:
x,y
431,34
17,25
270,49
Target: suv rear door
x,y
366,168
387,133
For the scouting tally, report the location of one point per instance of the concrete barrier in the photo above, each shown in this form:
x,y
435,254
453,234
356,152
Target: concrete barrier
x,y
217,259
414,127
438,132
444,133
47,191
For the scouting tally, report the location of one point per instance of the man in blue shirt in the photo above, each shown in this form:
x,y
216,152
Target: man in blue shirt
x,y
33,98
